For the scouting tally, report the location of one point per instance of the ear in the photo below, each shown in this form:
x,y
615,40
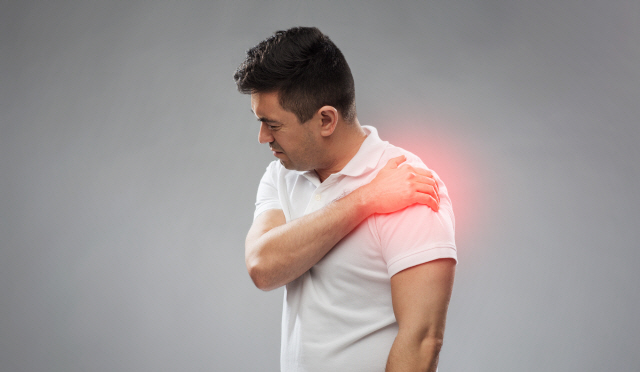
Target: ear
x,y
329,120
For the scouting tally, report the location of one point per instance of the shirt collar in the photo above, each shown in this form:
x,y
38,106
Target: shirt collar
x,y
365,159
367,156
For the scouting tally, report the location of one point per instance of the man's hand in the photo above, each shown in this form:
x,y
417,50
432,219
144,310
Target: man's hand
x,y
399,186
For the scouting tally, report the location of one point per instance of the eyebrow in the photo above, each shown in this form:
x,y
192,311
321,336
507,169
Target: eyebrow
x,y
265,119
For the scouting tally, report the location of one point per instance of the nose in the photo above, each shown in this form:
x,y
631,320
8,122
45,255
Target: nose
x,y
264,136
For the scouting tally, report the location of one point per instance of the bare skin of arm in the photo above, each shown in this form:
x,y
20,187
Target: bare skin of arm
x,y
420,296
277,252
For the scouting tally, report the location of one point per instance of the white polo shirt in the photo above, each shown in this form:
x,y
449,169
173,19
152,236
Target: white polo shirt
x,y
338,315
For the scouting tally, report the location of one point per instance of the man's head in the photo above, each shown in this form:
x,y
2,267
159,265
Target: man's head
x,y
298,147
305,68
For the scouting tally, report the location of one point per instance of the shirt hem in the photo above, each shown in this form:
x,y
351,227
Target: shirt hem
x,y
266,207
421,257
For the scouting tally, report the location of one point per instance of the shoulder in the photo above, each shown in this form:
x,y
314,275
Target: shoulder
x,y
390,151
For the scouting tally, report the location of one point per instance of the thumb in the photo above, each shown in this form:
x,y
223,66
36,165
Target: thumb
x,y
393,162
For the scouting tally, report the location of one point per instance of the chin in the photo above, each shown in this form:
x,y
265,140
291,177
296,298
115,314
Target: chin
x,y
290,166
287,165
284,164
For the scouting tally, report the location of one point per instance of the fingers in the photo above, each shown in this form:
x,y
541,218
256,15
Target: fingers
x,y
425,183
427,200
427,176
422,185
429,190
394,162
431,183
421,171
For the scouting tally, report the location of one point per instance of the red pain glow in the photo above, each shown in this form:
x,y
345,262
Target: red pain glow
x,y
455,161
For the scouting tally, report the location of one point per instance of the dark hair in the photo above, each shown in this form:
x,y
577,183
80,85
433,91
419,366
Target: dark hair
x,y
305,67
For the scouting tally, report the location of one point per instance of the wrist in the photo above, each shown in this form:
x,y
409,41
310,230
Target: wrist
x,y
362,201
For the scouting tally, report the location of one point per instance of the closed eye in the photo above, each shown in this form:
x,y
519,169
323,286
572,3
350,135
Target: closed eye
x,y
271,127
269,123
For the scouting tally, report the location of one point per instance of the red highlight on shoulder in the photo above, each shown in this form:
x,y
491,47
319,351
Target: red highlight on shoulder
x,y
455,163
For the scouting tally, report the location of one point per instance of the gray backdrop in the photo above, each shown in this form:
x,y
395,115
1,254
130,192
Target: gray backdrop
x,y
129,166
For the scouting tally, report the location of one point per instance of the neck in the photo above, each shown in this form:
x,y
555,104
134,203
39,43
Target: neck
x,y
343,145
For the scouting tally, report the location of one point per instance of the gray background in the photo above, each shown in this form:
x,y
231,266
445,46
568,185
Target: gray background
x,y
129,166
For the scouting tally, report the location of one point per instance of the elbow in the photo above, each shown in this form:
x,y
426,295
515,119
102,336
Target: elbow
x,y
428,342
432,345
259,275
431,339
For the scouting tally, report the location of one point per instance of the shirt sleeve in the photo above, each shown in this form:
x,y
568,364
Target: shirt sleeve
x,y
417,234
267,197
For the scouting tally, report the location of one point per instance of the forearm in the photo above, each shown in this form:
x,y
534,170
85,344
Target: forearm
x,y
285,252
410,353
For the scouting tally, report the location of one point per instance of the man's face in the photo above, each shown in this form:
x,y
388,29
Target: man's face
x,y
295,144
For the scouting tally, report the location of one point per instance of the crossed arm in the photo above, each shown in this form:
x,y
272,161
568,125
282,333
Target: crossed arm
x,y
277,252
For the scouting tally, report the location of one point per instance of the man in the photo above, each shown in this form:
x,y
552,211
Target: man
x,y
359,231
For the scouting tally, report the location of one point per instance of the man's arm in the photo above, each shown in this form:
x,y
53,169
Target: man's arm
x,y
277,252
420,296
